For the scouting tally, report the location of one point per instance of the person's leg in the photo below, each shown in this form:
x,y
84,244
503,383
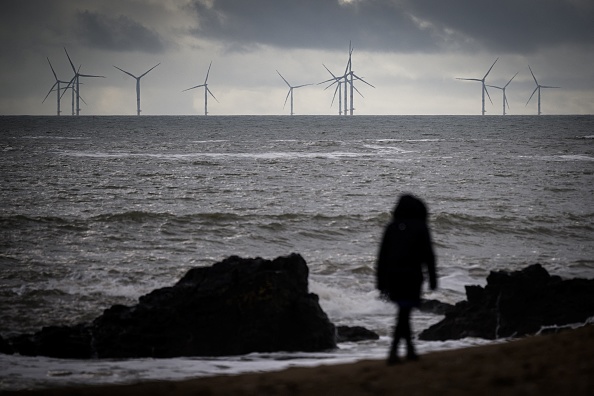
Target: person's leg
x,y
393,356
407,335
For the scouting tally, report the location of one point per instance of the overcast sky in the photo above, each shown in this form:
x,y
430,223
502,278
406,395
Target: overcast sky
x,y
412,51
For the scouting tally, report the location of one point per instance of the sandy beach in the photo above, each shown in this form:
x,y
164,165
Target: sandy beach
x,y
553,364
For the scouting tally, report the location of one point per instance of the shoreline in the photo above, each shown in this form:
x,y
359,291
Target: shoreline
x,y
552,364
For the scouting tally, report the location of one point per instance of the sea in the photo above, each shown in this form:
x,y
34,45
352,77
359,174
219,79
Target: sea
x,y
96,211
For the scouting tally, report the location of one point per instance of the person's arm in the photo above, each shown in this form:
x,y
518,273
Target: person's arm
x,y
430,260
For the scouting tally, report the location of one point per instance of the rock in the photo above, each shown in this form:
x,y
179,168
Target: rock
x,y
435,307
56,341
5,347
515,304
354,334
234,307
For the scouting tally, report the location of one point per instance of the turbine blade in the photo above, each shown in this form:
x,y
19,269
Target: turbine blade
x,y
335,81
510,80
548,86
332,74
346,70
281,76
349,63
489,96
493,86
506,102
490,68
208,72
469,79
334,96
147,72
124,71
361,79
208,90
70,60
533,92
355,88
197,86
89,75
50,63
50,91
304,85
533,76
324,82
68,86
287,98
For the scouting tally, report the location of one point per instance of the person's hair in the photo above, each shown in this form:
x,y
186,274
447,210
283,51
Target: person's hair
x,y
410,207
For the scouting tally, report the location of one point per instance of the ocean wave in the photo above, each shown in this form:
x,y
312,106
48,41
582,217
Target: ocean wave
x,y
561,158
534,226
8,222
272,155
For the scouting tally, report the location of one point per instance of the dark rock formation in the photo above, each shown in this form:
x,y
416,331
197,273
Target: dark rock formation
x,y
354,334
435,307
515,304
5,347
234,307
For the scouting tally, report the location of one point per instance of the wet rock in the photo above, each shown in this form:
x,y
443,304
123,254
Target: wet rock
x,y
5,347
233,307
515,304
354,334
435,307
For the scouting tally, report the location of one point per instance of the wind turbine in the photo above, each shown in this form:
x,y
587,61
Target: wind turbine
x,y
538,87
352,74
70,87
484,87
338,82
206,90
57,86
76,80
290,93
503,89
137,84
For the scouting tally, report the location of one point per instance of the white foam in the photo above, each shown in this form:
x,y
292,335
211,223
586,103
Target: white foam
x,y
560,158
194,156
342,305
387,149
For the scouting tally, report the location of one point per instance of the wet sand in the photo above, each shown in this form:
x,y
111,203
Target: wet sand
x,y
554,364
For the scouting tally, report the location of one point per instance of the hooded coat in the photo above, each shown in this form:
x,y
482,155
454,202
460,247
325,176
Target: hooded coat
x,y
405,249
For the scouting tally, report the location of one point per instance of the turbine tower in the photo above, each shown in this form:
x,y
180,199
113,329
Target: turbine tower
x,y
76,80
503,89
57,86
137,84
353,76
538,87
206,90
484,87
290,93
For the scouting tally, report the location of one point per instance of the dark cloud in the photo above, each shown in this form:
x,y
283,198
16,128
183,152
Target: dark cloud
x,y
512,25
117,33
379,25
398,25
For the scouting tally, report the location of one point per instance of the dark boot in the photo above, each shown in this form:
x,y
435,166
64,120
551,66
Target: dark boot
x,y
393,356
411,354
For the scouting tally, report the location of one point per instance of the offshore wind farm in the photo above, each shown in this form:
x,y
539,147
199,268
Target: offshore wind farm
x,y
344,87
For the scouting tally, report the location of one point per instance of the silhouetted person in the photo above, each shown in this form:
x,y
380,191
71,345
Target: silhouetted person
x,y
406,247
